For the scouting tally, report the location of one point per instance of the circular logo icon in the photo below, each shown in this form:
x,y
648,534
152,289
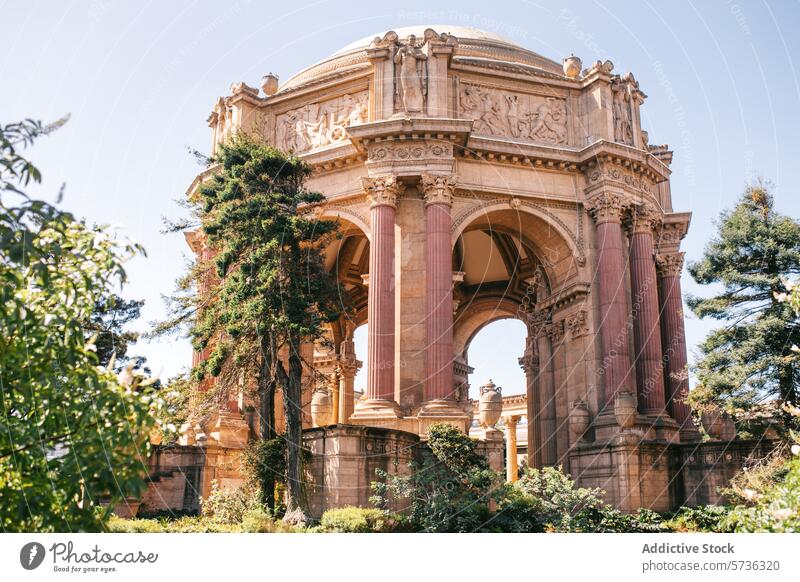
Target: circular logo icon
x,y
31,555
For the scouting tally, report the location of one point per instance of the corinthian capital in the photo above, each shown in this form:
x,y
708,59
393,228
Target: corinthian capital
x,y
382,190
438,188
644,218
606,207
669,264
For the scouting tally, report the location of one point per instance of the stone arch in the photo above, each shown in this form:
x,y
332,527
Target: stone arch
x,y
549,234
350,217
480,314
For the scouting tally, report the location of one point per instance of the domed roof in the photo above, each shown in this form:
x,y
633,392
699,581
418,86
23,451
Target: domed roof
x,y
474,45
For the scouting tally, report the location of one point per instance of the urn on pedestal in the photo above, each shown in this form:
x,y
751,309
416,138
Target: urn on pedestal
x,y
578,419
321,408
625,409
490,406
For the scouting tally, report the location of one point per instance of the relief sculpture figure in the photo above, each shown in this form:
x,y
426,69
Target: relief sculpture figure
x,y
411,76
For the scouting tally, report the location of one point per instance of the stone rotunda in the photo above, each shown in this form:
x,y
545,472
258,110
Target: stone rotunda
x,y
475,180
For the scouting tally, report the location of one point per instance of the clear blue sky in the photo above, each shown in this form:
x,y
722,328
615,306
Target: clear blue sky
x,y
140,78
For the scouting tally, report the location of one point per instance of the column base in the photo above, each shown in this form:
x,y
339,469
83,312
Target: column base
x,y
443,410
376,412
229,430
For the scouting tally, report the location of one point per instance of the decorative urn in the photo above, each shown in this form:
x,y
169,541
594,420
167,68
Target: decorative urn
x,y
578,419
490,406
572,66
321,408
625,409
269,84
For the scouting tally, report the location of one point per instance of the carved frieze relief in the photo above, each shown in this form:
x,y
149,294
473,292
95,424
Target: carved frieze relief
x,y
381,151
618,174
319,124
517,115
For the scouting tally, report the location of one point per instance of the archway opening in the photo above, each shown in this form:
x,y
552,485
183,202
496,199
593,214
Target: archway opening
x,y
493,353
360,339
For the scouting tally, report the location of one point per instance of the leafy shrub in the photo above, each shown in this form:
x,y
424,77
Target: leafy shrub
x,y
119,525
449,491
229,506
548,500
707,518
773,507
359,520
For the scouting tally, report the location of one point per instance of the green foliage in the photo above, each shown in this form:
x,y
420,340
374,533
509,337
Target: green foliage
x,y
449,491
262,289
71,433
707,518
748,364
107,324
359,520
229,506
264,464
772,502
254,521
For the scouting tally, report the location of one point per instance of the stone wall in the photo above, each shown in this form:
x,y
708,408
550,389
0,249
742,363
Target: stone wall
x,y
344,460
703,469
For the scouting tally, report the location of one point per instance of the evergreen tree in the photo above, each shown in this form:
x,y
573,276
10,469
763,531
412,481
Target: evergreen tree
x,y
107,325
749,365
265,290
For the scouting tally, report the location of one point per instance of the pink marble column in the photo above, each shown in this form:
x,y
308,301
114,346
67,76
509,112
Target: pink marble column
x,y
382,192
677,382
645,308
438,191
606,209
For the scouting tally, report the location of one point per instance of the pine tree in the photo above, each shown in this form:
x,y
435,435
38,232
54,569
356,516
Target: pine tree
x,y
265,290
748,365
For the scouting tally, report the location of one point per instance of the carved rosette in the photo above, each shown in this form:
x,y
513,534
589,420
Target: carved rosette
x,y
606,207
438,188
644,218
382,190
669,264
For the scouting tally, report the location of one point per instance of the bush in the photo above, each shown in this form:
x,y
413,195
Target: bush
x,y
707,518
226,506
359,520
548,500
449,491
119,525
773,507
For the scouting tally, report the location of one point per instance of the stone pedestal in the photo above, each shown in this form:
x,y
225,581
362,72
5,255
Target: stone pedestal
x,y
343,463
491,447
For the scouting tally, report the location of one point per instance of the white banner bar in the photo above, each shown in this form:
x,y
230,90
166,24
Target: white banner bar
x,y
387,557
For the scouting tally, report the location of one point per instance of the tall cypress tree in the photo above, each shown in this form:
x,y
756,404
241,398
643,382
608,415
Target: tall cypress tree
x,y
748,364
265,290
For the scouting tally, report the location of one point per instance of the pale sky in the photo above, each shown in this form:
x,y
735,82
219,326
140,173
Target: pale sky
x,y
140,78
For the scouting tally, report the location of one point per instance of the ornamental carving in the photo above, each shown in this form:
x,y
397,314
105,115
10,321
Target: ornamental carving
x,y
505,114
411,76
617,174
606,207
319,124
625,95
555,331
578,324
644,217
383,189
418,151
438,188
669,264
